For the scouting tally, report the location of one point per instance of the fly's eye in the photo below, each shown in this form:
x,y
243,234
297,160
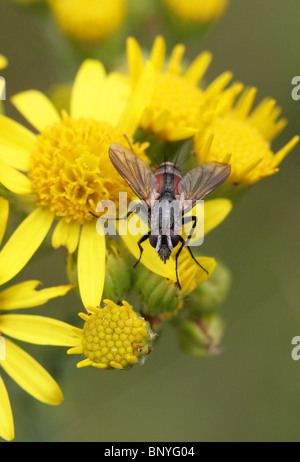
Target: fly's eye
x,y
153,240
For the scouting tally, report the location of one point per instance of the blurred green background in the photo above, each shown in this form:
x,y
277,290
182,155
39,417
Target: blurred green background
x,y
251,391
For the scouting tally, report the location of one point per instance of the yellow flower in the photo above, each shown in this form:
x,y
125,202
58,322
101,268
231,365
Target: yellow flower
x,y
177,103
3,62
89,21
112,337
21,367
197,11
67,169
233,129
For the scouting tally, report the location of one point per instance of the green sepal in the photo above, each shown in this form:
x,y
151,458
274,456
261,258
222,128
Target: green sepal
x,y
201,337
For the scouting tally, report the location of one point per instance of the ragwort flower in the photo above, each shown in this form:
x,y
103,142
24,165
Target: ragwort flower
x,y
113,337
3,62
90,21
177,103
197,11
234,128
67,169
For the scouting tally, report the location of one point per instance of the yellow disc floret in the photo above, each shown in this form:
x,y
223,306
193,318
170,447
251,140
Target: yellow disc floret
x,y
176,103
113,336
70,167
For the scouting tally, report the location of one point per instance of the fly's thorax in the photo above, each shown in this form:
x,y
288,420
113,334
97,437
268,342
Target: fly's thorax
x,y
168,167
166,216
168,177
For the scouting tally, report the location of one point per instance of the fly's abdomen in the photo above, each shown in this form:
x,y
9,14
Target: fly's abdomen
x,y
166,216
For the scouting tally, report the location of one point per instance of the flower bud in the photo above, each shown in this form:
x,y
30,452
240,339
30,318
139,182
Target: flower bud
x,y
201,337
209,295
157,295
118,273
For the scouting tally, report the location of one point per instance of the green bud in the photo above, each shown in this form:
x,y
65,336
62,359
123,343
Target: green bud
x,y
118,273
211,294
201,337
157,295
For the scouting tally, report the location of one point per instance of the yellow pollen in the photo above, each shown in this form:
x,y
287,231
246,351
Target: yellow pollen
x,y
70,167
112,346
176,102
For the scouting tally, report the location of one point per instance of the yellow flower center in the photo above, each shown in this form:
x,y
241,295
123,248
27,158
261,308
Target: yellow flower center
x,y
180,98
247,146
70,167
114,336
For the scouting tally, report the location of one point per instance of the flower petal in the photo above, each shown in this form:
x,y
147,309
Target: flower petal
x,y
23,243
158,52
215,211
87,89
36,108
135,59
39,330
30,375
66,234
14,180
198,67
91,265
4,212
182,133
7,430
17,158
14,135
25,295
138,102
190,274
113,100
174,65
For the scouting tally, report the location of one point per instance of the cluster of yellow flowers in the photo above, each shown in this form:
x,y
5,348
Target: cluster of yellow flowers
x,y
61,169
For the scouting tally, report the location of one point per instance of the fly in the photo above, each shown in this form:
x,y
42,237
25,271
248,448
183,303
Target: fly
x,y
162,187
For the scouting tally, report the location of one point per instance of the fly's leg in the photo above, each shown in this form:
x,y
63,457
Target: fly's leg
x,y
118,218
176,260
143,239
194,219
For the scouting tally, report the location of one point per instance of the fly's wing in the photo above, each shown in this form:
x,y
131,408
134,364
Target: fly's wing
x,y
135,172
201,181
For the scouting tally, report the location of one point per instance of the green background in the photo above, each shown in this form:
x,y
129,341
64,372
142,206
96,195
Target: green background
x,y
251,391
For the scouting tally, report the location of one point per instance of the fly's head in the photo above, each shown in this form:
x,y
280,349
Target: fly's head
x,y
164,244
